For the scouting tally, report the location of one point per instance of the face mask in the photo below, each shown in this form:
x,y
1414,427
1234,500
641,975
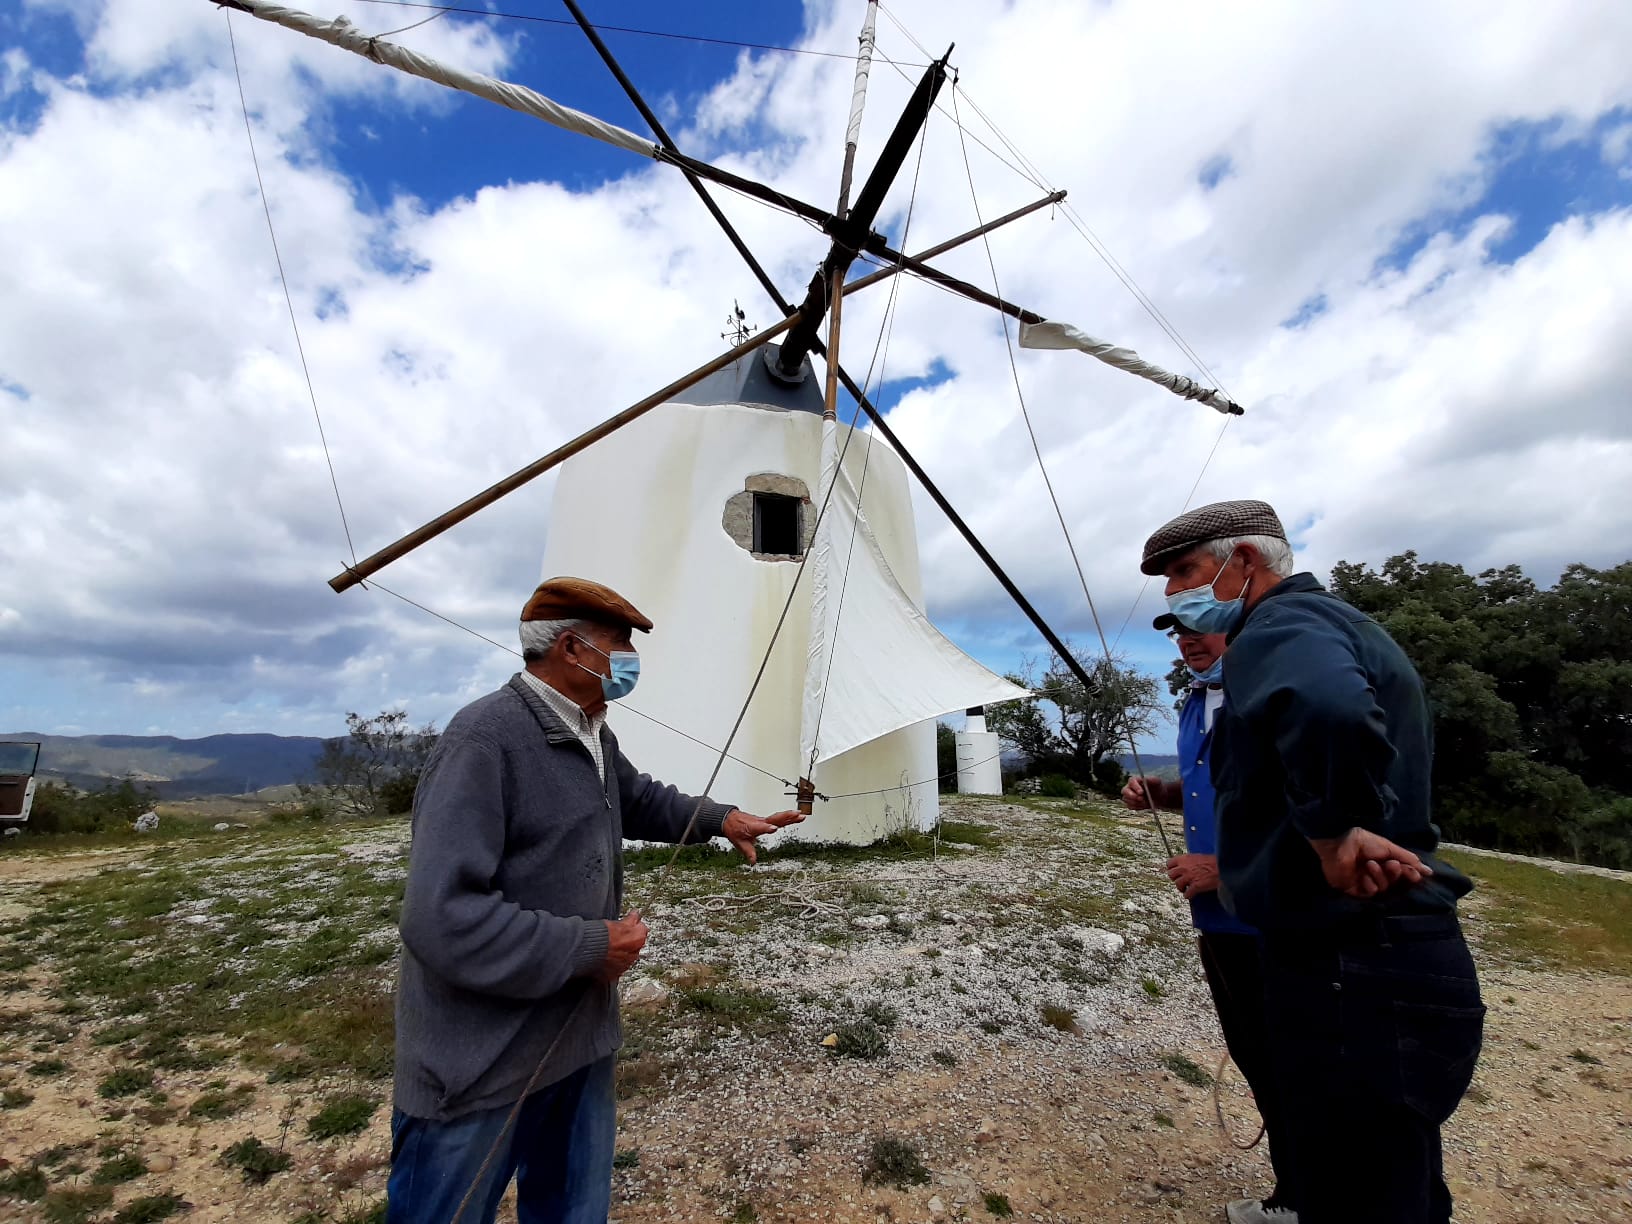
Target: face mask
x,y
1213,675
625,671
1201,610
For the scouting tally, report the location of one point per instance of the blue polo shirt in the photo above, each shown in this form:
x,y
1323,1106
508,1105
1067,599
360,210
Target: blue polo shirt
x,y
1207,912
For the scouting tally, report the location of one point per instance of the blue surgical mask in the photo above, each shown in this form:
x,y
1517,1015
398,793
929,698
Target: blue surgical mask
x,y
1201,610
625,671
1213,675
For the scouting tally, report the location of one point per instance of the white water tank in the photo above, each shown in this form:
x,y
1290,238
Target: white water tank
x,y
980,756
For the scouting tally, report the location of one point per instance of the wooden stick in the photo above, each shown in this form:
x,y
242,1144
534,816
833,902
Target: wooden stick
x,y
353,574
830,401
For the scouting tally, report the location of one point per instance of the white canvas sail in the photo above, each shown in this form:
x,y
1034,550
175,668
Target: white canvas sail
x,y
883,665
823,606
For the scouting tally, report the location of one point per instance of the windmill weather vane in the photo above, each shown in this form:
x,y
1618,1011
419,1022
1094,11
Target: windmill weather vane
x,y
737,327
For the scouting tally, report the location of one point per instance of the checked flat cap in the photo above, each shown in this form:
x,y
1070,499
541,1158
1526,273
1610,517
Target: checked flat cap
x,y
581,599
1219,521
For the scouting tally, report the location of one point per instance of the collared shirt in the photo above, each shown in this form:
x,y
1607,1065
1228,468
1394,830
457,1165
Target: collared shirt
x,y
587,729
1207,912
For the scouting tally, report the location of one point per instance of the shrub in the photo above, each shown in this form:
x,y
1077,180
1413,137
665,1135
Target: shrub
x,y
150,1209
894,1162
345,1115
1057,786
126,1081
28,1184
1187,1070
861,1039
216,1104
255,1160
118,1169
76,1206
1109,777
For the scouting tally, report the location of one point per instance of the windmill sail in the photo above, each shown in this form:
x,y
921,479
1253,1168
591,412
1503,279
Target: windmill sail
x,y
884,666
341,33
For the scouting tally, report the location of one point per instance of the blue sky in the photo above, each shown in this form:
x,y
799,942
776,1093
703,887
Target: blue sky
x,y
1408,287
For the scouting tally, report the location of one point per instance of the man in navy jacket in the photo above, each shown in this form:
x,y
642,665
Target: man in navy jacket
x,y
1321,766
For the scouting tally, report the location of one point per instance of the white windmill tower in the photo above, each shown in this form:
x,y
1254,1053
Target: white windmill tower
x,y
720,491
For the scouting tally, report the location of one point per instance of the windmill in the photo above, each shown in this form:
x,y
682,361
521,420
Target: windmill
x,y
774,546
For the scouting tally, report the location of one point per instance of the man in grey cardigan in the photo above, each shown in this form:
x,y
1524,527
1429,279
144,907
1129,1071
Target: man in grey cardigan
x,y
512,937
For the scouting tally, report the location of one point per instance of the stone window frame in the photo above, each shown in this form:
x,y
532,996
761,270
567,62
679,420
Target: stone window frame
x,y
737,518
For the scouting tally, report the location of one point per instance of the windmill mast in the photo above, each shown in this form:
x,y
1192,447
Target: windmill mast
x,y
858,103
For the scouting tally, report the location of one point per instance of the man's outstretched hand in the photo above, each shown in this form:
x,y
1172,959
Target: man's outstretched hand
x,y
741,829
1363,864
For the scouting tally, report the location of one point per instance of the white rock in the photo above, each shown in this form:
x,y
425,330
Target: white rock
x,y
14,832
936,1207
646,993
870,922
1098,942
147,822
222,827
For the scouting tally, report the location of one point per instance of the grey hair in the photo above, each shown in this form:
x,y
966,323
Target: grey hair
x,y
1277,554
537,636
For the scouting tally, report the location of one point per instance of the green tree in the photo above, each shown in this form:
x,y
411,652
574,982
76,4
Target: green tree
x,y
375,767
1070,727
1532,696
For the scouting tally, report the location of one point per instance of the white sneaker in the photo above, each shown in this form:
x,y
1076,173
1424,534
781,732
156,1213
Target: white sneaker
x,y
1252,1211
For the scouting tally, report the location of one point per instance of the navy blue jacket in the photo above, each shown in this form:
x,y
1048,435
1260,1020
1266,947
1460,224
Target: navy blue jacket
x,y
1325,726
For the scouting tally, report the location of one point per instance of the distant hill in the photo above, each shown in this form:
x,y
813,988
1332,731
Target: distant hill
x,y
177,768
1160,766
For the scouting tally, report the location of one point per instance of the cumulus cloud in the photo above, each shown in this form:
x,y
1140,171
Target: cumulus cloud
x,y
1307,196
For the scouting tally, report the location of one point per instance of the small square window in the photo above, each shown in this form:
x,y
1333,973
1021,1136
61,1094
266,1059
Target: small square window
x,y
776,525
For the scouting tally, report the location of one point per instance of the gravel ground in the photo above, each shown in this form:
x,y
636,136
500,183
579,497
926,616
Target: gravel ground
x,y
1033,1007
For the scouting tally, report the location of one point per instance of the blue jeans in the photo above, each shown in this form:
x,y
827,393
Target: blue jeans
x,y
559,1151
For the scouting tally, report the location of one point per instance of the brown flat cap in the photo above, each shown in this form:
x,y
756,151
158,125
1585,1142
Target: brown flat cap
x,y
1219,521
581,599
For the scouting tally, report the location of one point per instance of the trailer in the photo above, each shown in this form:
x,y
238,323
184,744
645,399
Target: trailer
x,y
18,761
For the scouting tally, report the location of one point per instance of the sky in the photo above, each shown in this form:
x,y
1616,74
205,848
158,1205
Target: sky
x,y
1399,233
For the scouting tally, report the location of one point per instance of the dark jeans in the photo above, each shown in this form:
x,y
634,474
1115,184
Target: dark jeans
x,y
1235,974
1376,1029
559,1151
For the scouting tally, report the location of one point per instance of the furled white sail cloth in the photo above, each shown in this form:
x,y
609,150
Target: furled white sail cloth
x,y
875,663
864,69
1051,335
341,33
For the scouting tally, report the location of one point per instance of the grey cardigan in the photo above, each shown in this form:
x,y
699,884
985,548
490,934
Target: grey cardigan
x,y
516,859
